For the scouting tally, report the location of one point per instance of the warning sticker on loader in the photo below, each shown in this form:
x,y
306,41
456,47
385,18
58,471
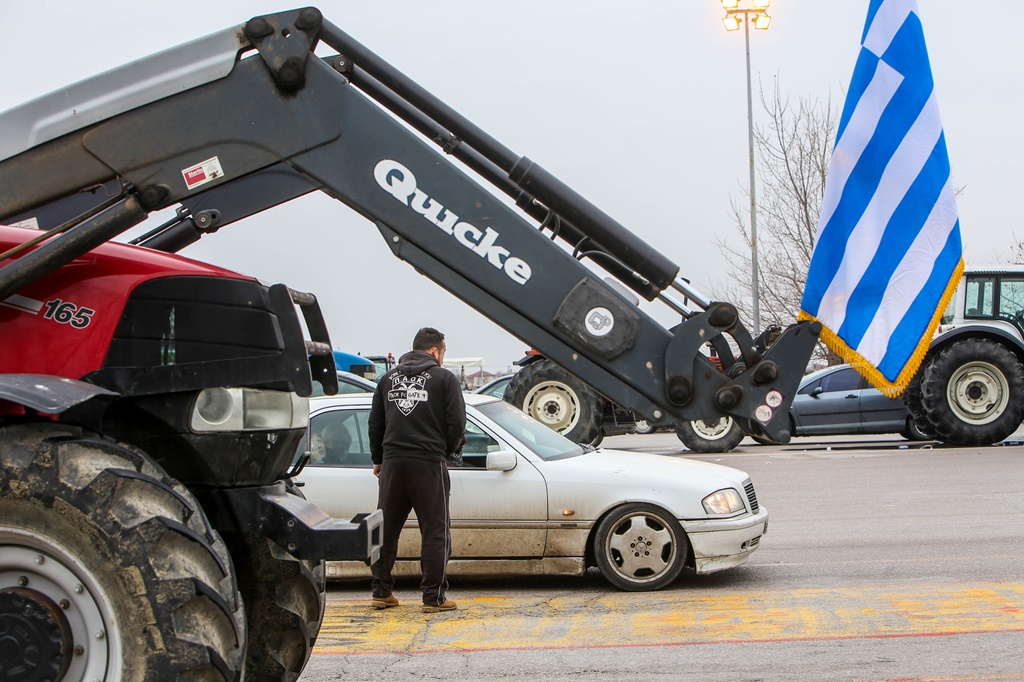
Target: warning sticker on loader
x,y
202,173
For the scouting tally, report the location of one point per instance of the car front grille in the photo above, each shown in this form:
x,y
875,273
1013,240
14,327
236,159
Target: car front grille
x,y
751,495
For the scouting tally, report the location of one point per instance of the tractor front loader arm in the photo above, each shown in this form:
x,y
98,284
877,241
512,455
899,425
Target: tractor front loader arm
x,y
251,117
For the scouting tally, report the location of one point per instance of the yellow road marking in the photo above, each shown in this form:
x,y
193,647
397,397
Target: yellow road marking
x,y
674,618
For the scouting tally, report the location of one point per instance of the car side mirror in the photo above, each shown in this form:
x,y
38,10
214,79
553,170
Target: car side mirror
x,y
818,390
502,460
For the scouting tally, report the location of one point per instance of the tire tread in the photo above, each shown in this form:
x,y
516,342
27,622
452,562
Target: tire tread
x,y
935,377
128,509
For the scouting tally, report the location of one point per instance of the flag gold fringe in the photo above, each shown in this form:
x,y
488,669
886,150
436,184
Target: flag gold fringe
x,y
891,389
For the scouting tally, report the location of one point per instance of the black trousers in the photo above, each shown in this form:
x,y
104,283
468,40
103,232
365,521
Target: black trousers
x,y
406,484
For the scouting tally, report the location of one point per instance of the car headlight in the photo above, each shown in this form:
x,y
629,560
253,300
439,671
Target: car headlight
x,y
248,409
726,501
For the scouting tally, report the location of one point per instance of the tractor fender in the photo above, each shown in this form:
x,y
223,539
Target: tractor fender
x,y
46,393
984,331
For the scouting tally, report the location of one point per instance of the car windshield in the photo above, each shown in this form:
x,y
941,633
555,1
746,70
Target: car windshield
x,y
495,388
547,444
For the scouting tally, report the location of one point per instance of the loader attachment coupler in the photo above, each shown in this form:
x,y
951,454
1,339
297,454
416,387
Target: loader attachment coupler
x,y
755,389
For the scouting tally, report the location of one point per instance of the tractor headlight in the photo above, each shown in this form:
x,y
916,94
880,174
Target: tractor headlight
x,y
726,501
248,409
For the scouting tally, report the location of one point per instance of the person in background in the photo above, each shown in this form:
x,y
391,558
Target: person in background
x,y
417,426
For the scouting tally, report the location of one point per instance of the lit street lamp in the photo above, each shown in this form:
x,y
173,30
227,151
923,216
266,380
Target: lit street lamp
x,y
734,16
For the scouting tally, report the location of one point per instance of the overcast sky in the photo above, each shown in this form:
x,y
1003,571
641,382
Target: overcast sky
x,y
641,107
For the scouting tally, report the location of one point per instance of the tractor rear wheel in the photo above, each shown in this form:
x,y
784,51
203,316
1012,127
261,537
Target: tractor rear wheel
x,y
110,567
915,407
558,400
972,392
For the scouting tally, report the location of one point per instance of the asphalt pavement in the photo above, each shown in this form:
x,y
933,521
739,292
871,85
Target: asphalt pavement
x,y
885,560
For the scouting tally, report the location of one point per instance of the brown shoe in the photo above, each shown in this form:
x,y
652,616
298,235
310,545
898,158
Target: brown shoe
x,y
448,605
384,602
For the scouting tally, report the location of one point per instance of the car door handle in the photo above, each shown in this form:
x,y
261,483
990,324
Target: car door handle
x,y
852,395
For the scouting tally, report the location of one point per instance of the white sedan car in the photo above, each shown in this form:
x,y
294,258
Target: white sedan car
x,y
528,501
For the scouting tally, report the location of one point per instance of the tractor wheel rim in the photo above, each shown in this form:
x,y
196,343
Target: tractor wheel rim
x,y
43,576
978,393
713,429
553,404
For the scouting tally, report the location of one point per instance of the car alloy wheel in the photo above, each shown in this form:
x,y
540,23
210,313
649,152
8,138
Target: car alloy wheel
x,y
640,547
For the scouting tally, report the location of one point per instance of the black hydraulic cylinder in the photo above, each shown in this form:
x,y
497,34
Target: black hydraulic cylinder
x,y
423,100
595,223
490,172
174,238
76,242
613,238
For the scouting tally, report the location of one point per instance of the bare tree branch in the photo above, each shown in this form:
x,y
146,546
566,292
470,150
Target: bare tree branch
x,y
793,149
1017,250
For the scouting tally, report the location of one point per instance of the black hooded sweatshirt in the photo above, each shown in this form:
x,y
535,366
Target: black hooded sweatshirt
x,y
418,411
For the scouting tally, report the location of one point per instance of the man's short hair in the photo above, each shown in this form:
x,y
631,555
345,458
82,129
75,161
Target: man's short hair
x,y
427,338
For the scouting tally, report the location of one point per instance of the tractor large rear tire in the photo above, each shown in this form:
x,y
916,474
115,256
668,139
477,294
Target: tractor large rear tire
x,y
110,567
284,605
558,400
972,392
710,435
915,407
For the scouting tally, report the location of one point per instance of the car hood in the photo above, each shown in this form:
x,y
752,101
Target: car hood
x,y
593,482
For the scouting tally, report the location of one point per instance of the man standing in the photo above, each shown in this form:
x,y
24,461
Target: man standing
x,y
417,423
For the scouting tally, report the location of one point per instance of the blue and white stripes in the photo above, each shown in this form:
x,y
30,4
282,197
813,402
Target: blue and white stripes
x,y
887,255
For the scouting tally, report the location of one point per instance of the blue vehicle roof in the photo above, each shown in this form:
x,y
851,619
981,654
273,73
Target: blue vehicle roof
x,y
345,360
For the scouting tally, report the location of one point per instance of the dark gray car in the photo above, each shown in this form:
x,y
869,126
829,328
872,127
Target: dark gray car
x,y
839,401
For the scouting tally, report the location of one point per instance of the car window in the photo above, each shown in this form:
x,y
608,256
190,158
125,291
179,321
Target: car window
x,y
346,387
807,389
346,384
843,380
339,438
478,444
544,442
497,389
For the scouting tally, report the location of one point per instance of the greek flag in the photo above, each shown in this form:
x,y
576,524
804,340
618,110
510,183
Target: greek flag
x,y
887,255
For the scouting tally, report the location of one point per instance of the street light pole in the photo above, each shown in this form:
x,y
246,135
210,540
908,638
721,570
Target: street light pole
x,y
755,292
761,21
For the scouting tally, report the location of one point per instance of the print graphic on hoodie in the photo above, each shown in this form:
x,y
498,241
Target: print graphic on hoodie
x,y
407,392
